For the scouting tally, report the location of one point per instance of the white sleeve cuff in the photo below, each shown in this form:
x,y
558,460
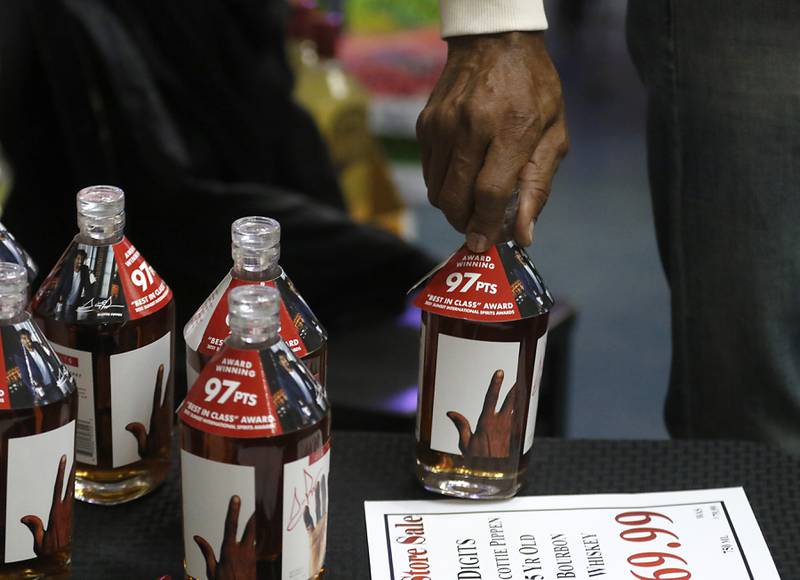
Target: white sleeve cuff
x,y
465,17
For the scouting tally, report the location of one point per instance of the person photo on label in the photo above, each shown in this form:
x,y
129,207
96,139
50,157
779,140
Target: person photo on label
x,y
493,432
310,394
36,368
73,288
59,525
150,442
237,560
299,311
317,531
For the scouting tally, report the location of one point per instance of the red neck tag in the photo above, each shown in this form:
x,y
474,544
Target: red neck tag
x,y
500,285
231,397
145,292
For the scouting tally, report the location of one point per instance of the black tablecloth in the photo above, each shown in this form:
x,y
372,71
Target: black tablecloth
x,y
142,540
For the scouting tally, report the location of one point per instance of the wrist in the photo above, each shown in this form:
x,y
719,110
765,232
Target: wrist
x,y
525,40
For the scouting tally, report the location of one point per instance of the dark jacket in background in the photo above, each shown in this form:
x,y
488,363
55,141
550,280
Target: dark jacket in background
x,y
187,106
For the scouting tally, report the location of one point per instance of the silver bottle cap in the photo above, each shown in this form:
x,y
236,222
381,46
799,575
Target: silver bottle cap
x,y
255,243
254,315
101,212
13,290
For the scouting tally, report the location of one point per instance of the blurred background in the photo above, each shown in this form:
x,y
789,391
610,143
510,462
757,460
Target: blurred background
x,y
595,242
362,70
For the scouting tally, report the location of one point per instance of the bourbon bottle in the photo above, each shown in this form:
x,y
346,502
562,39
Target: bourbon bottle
x,y
111,319
484,330
255,454
38,408
255,247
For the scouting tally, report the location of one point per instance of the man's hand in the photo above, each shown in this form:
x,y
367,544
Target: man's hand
x,y
47,542
153,442
237,560
492,436
494,122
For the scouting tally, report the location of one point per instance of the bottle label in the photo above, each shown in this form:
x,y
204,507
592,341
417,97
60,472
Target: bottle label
x,y
141,406
305,515
92,284
500,285
141,402
420,375
252,393
39,488
219,522
219,501
30,372
533,404
477,398
207,330
79,363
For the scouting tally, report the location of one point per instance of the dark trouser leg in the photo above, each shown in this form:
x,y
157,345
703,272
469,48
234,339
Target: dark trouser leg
x,y
723,84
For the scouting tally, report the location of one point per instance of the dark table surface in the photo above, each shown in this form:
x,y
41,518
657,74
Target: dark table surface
x,y
142,540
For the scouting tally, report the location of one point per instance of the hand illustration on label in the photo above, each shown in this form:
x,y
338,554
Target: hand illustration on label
x,y
237,560
59,525
492,436
317,533
151,442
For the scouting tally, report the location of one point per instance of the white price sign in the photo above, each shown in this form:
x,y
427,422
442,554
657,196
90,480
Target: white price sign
x,y
705,535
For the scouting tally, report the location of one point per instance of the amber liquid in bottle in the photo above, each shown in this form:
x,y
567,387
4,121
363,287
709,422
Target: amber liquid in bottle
x,y
103,483
267,455
106,302
480,475
37,442
23,423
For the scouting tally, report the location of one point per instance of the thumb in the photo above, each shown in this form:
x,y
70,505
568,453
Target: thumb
x,y
138,431
34,524
464,432
208,554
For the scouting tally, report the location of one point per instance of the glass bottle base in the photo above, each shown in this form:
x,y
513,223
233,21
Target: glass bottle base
x,y
53,567
469,484
128,485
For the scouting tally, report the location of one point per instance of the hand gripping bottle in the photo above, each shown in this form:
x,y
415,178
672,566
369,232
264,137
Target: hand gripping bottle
x,y
255,454
484,329
256,250
111,319
38,407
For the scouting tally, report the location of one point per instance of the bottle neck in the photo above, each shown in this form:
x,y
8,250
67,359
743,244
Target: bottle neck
x,y
252,342
101,214
93,239
259,263
271,272
254,316
101,231
12,316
